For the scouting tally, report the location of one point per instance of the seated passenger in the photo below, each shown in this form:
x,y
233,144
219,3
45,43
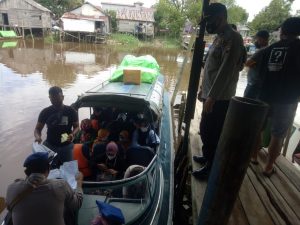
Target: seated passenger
x,y
124,140
135,190
145,136
96,118
86,132
102,137
111,165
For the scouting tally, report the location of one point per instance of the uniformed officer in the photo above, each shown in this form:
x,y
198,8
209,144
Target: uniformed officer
x,y
224,62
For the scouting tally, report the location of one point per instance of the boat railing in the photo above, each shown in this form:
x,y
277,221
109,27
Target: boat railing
x,y
133,195
98,86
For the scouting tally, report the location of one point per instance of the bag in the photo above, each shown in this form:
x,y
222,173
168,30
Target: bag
x,y
110,212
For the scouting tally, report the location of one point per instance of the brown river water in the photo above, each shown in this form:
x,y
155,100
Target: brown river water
x,y
28,69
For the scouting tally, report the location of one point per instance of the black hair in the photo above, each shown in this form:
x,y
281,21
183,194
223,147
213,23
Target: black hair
x,y
291,26
55,90
263,34
216,9
43,168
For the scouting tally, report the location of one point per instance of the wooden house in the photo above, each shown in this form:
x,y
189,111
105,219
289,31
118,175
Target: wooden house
x,y
87,18
134,19
24,14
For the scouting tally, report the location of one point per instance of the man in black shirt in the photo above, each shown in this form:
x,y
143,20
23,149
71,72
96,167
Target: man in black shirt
x,y
281,85
60,119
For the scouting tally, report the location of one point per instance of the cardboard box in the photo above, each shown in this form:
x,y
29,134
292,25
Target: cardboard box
x,y
132,76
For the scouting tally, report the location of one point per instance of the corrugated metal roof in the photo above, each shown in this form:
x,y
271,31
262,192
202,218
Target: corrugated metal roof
x,y
138,14
69,15
37,5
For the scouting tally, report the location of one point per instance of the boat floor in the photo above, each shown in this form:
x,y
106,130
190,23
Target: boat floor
x,y
261,200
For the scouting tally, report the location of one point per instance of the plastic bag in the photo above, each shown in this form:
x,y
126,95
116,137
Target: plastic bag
x,y
36,147
147,64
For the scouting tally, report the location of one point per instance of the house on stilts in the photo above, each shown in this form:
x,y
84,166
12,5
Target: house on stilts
x,y
24,17
87,22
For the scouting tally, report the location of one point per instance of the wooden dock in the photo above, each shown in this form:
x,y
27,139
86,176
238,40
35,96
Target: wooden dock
x,y
261,200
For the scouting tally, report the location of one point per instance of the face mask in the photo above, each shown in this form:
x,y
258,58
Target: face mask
x,y
144,129
212,27
110,157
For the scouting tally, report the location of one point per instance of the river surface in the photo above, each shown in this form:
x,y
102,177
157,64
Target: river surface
x,y
28,69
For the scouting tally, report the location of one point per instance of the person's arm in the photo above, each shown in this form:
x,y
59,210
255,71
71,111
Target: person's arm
x,y
257,56
39,126
230,58
38,132
75,125
74,132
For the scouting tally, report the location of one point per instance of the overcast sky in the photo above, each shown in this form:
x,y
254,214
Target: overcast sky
x,y
252,6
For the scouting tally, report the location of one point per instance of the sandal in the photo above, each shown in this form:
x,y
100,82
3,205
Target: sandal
x,y
269,173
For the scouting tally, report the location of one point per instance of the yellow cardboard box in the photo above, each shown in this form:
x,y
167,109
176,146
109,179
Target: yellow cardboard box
x,y
132,76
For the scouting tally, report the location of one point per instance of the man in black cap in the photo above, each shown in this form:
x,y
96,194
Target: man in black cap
x,y
60,120
225,60
41,201
254,81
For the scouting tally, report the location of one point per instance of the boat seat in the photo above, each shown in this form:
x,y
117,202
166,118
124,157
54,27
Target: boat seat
x,y
139,156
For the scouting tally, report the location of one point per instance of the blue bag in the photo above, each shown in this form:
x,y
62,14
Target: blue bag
x,y
110,212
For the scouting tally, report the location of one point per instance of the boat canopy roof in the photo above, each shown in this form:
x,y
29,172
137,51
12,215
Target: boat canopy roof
x,y
125,96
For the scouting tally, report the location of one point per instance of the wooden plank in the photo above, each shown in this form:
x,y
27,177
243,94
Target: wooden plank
x,y
263,195
283,185
238,215
290,171
276,198
253,207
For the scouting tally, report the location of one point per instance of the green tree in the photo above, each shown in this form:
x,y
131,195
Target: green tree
x,y
168,15
236,14
59,7
272,16
113,20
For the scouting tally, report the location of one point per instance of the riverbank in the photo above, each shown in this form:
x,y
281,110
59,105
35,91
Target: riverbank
x,y
128,41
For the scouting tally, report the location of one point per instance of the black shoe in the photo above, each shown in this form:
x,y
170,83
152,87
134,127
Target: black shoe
x,y
201,174
199,159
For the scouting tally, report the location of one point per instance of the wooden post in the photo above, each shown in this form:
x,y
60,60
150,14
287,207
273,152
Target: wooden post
x,y
243,124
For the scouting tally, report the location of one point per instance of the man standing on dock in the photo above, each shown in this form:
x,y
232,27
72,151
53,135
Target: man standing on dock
x,y
60,120
254,81
221,72
280,71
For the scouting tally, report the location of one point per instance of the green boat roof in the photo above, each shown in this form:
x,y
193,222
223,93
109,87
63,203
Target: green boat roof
x,y
125,96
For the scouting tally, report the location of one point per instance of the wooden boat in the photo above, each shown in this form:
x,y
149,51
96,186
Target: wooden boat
x,y
154,206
